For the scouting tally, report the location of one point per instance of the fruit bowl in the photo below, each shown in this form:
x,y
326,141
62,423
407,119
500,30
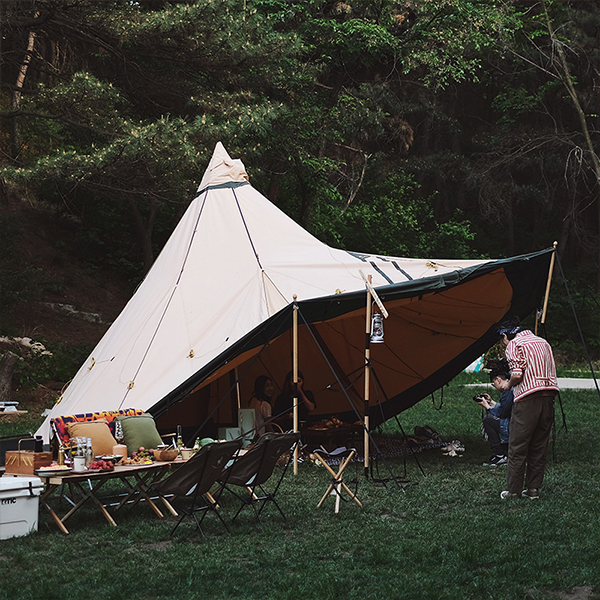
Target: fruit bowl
x,y
166,455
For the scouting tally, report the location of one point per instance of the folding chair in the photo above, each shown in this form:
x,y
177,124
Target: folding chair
x,y
196,477
252,469
337,485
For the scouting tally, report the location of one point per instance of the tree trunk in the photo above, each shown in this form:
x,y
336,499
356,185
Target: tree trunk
x,y
145,229
16,98
510,227
273,190
8,364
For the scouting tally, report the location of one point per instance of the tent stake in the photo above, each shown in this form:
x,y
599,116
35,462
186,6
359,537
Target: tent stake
x,y
295,376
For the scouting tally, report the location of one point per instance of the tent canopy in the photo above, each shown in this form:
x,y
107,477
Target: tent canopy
x,y
216,307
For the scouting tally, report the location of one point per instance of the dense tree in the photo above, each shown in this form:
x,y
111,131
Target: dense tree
x,y
459,118
308,91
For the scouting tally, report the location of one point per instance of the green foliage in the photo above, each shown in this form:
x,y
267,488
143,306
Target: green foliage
x,y
397,222
57,362
450,39
514,103
355,42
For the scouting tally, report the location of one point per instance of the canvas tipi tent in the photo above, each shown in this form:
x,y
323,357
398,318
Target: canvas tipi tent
x,y
215,310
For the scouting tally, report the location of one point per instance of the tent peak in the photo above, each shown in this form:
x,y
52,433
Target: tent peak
x,y
223,169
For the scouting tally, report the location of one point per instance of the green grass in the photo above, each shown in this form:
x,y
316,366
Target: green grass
x,y
448,536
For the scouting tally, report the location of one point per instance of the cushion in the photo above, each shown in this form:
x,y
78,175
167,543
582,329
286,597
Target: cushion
x,y
139,431
102,439
59,424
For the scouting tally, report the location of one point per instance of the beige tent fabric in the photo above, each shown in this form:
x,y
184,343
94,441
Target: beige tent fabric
x,y
233,261
223,169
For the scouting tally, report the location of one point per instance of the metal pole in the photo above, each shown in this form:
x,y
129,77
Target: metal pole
x,y
295,377
367,379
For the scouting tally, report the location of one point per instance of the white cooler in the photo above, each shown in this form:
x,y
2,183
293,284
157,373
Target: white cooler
x,y
19,505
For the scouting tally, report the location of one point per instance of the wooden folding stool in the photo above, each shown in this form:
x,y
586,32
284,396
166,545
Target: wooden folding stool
x,y
337,485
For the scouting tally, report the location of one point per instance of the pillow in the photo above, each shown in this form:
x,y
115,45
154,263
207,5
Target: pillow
x,y
102,439
139,431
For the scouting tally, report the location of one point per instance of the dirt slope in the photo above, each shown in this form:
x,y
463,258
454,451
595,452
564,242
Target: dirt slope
x,y
60,298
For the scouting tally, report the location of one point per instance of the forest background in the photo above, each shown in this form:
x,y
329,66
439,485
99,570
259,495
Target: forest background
x,y
420,128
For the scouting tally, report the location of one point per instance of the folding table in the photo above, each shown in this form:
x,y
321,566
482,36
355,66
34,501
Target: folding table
x,y
136,479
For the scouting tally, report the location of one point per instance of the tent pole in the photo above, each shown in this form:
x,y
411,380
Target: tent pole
x,y
367,379
295,377
237,388
548,284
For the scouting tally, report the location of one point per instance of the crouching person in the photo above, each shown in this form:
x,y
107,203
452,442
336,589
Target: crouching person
x,y
496,421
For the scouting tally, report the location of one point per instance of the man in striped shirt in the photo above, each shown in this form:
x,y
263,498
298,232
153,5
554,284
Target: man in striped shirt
x,y
533,379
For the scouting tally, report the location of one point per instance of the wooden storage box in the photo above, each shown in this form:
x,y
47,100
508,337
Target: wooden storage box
x,y
25,462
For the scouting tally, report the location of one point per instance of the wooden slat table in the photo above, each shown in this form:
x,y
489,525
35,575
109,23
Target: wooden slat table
x,y
135,478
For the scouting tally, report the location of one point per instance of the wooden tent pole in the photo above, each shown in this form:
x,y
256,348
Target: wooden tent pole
x,y
237,390
367,378
544,310
295,378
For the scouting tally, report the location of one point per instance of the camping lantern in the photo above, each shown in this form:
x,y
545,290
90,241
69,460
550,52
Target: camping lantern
x,y
377,328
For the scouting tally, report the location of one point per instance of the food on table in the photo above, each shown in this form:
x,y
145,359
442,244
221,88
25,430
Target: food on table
x,y
332,423
102,465
143,456
55,467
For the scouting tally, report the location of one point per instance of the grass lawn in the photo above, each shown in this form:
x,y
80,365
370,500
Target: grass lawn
x,y
448,536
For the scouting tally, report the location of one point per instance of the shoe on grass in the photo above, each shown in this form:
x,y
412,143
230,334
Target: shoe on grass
x,y
532,494
496,460
506,494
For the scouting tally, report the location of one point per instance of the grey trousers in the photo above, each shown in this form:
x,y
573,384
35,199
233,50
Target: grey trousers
x,y
530,426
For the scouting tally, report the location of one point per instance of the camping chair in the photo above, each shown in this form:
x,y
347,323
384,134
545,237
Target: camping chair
x,y
252,469
195,478
344,455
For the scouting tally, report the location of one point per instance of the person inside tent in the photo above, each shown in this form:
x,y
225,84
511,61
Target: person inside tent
x,y
284,405
261,403
496,421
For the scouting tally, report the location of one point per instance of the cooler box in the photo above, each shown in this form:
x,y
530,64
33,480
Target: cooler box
x,y
19,505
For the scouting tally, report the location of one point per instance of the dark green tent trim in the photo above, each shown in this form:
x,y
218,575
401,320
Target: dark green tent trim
x,y
527,275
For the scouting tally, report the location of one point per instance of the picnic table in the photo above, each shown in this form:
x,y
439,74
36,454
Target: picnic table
x,y
136,480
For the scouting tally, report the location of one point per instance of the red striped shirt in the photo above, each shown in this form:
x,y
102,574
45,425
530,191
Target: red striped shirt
x,y
531,357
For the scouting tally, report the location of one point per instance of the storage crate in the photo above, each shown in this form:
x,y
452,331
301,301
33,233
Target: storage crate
x,y
19,505
25,462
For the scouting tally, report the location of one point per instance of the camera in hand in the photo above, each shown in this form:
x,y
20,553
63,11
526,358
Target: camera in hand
x,y
478,398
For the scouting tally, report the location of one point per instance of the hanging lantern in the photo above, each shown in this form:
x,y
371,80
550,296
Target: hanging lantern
x,y
377,328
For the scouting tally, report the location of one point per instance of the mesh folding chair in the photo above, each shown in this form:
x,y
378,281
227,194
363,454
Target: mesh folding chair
x,y
253,469
194,479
